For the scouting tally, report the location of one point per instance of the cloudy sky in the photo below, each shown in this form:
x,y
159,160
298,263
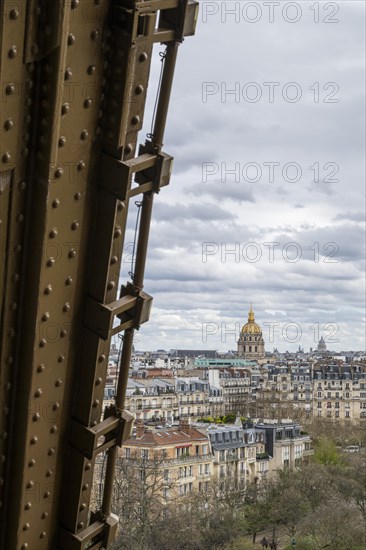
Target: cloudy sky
x,y
267,200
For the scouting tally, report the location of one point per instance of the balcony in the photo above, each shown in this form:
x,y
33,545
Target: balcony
x,y
188,458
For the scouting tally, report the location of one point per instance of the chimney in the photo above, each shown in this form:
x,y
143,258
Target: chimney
x,y
184,425
140,429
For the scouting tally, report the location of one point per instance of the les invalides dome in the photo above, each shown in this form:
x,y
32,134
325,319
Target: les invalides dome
x,y
251,343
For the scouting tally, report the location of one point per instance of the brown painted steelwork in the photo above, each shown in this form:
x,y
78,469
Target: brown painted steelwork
x,y
74,77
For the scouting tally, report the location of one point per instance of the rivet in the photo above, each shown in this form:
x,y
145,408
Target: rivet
x,y
8,124
117,233
59,172
58,382
12,52
53,234
101,358
49,473
74,4
61,358
88,103
84,135
45,317
34,440
10,89
77,196
111,285
95,403
68,74
48,289
50,262
91,69
51,451
65,109
71,39
75,226
139,89
82,507
13,306
10,360
72,253
44,515
80,525
93,423
63,333
22,185
135,120
28,506
38,393
14,14
20,218
114,260
42,343
36,417
25,546
53,429
68,281
81,166
44,534
25,152
26,526
87,467
55,203
17,247
62,141
30,484
56,406
66,307
85,487
41,367
94,35
6,157
128,148
143,57
120,206
98,381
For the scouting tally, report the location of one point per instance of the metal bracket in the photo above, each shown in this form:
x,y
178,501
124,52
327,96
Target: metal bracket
x,y
100,534
112,431
131,310
151,173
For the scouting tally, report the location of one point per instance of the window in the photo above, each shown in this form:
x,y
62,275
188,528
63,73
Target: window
x,y
346,414
145,454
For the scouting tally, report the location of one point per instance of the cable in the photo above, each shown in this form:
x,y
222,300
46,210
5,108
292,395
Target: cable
x,y
131,273
163,56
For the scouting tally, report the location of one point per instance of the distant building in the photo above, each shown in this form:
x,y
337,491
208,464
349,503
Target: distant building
x,y
251,343
322,345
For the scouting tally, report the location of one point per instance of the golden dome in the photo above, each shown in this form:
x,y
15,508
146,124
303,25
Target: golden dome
x,y
251,327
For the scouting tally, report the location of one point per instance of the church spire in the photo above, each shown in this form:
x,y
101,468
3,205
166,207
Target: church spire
x,y
251,314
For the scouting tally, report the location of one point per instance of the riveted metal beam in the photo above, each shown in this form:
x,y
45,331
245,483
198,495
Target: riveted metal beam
x,y
74,78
